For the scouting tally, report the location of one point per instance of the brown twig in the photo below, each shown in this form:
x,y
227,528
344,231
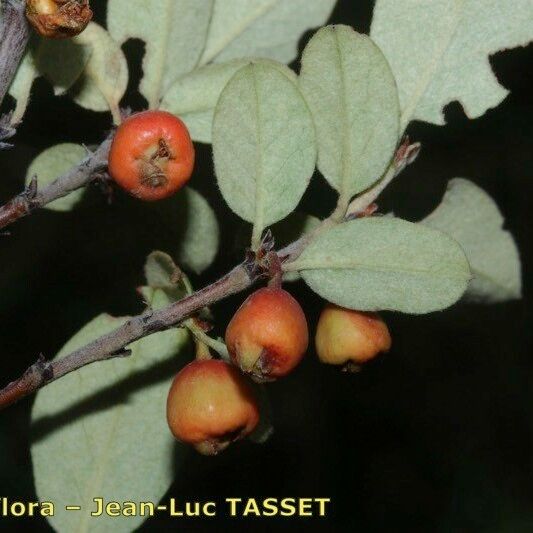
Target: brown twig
x,y
265,262
32,198
14,35
115,343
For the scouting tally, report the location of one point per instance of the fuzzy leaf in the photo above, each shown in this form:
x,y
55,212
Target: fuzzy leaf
x,y
352,94
262,28
20,88
50,165
105,77
101,431
198,234
380,263
163,279
193,97
263,143
60,62
470,216
439,51
161,271
174,32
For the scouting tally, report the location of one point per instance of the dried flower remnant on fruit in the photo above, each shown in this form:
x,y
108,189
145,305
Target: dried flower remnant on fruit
x,y
152,155
350,338
58,19
210,405
268,336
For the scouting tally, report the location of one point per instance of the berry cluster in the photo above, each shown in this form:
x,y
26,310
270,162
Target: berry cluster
x,y
211,402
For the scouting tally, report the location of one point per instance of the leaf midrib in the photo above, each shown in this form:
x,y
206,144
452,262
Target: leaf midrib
x,y
238,31
346,144
156,95
316,265
433,66
259,193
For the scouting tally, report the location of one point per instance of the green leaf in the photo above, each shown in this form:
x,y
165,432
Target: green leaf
x,y
105,77
61,62
188,228
198,242
262,28
174,32
53,163
470,216
439,51
263,143
193,97
163,279
101,431
352,95
380,263
21,85
160,271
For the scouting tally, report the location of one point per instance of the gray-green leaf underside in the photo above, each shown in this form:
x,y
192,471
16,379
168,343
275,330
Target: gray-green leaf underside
x,y
90,67
261,28
383,263
263,143
353,98
193,228
194,96
101,431
53,163
174,32
470,216
439,51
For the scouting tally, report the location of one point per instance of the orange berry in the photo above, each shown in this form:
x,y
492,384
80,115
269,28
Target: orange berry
x,y
210,405
152,155
346,336
268,336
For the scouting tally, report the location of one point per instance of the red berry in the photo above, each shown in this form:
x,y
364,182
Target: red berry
x,y
152,155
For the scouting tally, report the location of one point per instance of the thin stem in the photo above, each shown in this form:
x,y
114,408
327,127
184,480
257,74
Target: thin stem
x,y
32,198
405,155
218,346
115,343
115,113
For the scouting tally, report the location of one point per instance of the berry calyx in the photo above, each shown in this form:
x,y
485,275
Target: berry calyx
x,y
210,405
347,337
152,155
58,19
268,336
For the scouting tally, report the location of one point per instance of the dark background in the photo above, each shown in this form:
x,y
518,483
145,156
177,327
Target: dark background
x,y
435,436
